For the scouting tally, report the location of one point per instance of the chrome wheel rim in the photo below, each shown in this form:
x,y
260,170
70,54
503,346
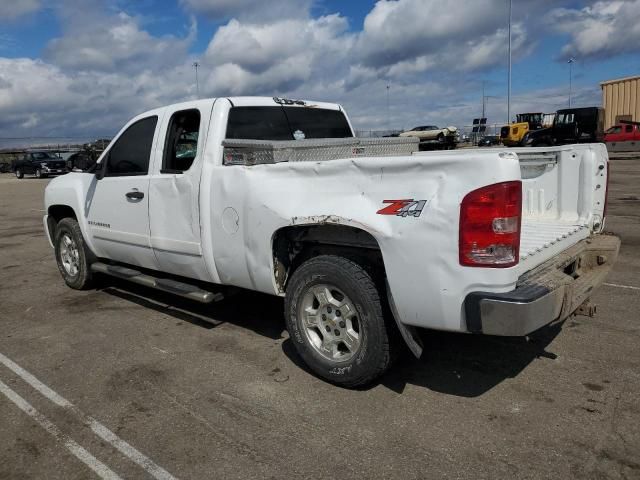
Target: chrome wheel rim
x,y
330,322
69,255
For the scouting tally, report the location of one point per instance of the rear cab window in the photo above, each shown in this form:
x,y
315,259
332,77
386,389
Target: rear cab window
x,y
181,142
286,123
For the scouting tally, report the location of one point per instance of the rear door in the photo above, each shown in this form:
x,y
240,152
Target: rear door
x,y
174,209
118,204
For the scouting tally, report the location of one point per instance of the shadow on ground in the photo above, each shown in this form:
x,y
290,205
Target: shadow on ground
x,y
452,363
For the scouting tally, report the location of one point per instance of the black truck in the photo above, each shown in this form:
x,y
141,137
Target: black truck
x,y
40,164
571,125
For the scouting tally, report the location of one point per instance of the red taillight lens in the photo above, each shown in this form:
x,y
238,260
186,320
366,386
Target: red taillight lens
x,y
490,220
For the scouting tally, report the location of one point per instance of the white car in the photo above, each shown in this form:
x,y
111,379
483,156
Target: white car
x,y
431,132
364,239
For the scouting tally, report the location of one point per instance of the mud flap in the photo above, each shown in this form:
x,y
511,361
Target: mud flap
x,y
408,332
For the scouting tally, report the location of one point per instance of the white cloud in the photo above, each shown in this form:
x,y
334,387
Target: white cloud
x,y
10,10
396,31
115,43
276,57
603,29
254,10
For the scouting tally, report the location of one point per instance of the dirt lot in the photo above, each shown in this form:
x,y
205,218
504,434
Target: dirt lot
x,y
126,382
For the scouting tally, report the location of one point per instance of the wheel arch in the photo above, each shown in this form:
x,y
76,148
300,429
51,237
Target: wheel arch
x,y
293,244
55,213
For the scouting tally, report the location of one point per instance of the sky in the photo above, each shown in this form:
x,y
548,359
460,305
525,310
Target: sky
x,y
82,68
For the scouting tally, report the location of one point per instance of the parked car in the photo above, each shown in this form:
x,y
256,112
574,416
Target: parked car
x,y
366,239
489,141
433,136
40,164
571,125
623,137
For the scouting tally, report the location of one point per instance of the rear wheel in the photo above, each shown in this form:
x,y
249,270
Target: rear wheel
x,y
335,319
72,254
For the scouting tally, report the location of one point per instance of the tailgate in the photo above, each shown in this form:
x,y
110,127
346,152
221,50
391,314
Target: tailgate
x,y
564,190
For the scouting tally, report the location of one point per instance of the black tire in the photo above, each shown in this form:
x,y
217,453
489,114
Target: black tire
x,y
19,173
38,173
378,338
82,279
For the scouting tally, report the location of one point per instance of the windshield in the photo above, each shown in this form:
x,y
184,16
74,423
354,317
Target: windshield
x,y
286,123
564,118
530,117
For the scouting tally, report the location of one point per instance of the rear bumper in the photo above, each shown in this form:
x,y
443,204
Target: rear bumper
x,y
548,293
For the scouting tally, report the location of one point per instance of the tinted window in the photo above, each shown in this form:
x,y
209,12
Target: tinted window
x,y
628,128
181,144
281,123
130,154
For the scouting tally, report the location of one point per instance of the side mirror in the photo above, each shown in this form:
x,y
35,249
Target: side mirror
x,y
100,169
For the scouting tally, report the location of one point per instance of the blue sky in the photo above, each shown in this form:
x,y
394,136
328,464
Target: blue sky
x,y
82,68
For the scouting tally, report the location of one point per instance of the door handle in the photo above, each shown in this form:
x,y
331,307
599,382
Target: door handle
x,y
135,194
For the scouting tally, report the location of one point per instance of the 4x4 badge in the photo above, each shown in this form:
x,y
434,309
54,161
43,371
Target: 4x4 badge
x,y
403,208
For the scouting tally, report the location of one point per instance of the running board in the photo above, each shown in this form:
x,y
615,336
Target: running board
x,y
165,284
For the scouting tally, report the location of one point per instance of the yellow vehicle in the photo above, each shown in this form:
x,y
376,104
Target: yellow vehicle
x,y
512,135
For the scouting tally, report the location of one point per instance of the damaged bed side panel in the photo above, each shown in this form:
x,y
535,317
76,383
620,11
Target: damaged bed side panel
x,y
409,205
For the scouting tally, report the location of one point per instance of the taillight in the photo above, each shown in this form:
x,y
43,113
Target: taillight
x,y
490,219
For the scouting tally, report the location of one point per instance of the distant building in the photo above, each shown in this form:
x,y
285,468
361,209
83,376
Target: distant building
x,y
621,100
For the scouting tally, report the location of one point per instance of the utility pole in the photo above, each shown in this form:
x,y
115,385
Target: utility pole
x,y
388,119
196,65
509,80
485,99
570,62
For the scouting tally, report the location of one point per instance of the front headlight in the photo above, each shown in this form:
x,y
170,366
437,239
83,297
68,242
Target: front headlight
x,y
44,165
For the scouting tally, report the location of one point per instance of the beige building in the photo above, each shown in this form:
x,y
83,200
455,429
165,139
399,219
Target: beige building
x,y
621,100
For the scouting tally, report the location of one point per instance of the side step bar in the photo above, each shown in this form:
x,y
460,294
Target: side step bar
x,y
165,284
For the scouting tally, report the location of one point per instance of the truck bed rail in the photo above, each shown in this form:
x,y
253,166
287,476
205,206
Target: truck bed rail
x,y
255,152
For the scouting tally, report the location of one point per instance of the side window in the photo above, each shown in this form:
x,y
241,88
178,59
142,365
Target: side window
x,y
181,144
628,128
130,154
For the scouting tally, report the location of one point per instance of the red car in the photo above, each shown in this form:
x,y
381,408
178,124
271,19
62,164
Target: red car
x,y
623,133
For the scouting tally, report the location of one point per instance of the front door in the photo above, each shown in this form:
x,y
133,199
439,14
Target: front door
x,y
118,204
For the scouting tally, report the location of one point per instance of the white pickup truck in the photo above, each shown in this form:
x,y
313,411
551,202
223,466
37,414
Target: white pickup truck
x,y
365,239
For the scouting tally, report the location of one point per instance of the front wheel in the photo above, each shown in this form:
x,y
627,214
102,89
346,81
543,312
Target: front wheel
x,y
19,173
71,254
335,318
38,173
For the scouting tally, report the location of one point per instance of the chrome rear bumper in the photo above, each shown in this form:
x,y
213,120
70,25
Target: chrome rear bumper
x,y
548,293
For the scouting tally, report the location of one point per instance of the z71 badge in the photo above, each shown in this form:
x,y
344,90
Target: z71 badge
x,y
403,208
